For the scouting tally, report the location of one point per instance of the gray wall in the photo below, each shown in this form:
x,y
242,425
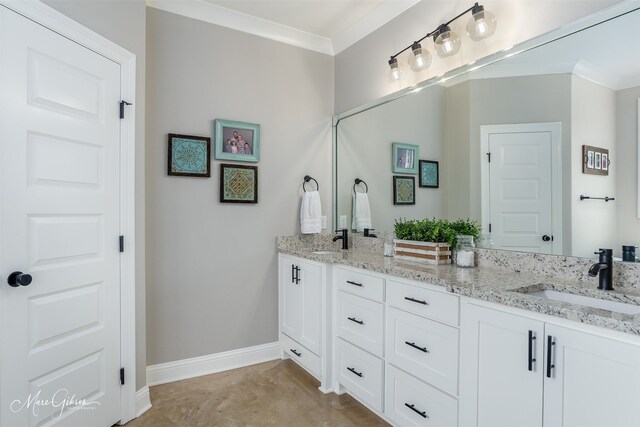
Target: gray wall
x,y
361,70
211,267
123,22
625,167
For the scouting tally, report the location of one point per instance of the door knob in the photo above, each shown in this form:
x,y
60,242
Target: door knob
x,y
18,278
546,238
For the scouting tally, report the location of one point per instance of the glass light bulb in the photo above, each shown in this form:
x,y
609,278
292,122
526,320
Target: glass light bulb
x,y
481,25
394,71
419,59
447,44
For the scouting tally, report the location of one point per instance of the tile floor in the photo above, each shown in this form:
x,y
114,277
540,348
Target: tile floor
x,y
277,393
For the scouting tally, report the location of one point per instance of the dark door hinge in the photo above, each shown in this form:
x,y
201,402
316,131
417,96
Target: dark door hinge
x,y
122,104
121,243
489,157
121,376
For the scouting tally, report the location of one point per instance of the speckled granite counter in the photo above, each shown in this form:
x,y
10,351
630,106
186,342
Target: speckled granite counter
x,y
506,286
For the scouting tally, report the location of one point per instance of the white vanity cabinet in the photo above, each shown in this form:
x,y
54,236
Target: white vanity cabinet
x,y
525,370
302,312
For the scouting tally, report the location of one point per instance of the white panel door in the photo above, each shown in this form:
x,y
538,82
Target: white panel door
x,y
595,381
59,222
311,302
498,386
289,296
520,185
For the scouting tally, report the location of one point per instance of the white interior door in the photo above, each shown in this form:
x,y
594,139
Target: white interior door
x,y
521,175
59,222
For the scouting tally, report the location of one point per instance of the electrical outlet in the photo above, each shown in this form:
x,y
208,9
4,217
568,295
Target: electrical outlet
x,y
323,222
343,222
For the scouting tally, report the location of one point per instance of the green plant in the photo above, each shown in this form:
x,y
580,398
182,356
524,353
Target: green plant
x,y
435,230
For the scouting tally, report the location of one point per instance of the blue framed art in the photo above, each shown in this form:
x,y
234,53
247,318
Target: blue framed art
x,y
237,141
404,158
429,174
189,156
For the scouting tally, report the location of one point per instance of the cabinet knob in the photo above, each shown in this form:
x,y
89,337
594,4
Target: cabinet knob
x,y
18,278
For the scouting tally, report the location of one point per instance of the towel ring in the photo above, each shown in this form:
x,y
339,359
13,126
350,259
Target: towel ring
x,y
307,178
359,181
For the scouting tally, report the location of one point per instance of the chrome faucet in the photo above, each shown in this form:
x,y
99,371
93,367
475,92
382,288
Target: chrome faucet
x,y
344,237
604,268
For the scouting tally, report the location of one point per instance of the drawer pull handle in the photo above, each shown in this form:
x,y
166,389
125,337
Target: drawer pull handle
x,y
550,344
531,359
353,371
412,344
353,319
411,406
354,283
295,352
419,301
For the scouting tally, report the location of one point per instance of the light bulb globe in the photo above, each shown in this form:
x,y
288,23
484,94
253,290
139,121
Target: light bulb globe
x,y
482,24
419,58
447,42
394,71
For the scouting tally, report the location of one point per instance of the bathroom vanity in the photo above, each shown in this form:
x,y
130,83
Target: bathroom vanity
x,y
446,346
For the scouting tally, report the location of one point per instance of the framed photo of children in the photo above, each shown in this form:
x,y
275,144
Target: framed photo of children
x,y
189,156
238,141
405,158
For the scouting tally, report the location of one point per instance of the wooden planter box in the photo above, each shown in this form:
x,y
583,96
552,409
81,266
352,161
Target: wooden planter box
x,y
426,252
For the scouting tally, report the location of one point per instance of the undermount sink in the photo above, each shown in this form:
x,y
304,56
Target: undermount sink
x,y
325,252
616,306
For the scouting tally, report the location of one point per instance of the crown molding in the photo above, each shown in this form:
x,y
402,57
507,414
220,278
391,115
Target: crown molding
x,y
208,12
375,19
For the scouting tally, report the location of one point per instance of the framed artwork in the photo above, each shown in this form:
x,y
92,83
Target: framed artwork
x,y
595,160
404,190
238,183
404,158
429,176
189,156
237,141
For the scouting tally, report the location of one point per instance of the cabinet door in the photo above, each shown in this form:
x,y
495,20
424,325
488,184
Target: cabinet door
x,y
289,298
496,386
310,306
595,380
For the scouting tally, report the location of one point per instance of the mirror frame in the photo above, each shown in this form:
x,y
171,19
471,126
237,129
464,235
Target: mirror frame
x,y
581,24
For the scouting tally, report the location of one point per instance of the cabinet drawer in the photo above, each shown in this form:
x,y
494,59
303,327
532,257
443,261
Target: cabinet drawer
x,y
361,373
423,302
301,355
360,284
361,321
426,349
409,402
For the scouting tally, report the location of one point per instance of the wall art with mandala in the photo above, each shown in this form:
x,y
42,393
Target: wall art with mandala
x,y
189,155
238,183
404,190
429,174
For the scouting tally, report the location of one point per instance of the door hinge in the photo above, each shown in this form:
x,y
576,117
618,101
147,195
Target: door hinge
x,y
121,243
122,104
121,376
489,227
489,157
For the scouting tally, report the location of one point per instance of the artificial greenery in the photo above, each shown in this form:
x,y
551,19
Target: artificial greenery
x,y
435,230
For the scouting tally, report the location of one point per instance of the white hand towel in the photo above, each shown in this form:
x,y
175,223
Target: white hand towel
x,y
361,213
310,213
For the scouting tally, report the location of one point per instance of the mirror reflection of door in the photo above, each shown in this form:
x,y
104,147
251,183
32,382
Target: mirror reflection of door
x,y
521,186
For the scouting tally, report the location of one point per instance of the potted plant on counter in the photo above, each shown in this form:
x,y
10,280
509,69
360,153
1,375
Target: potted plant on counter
x,y
430,240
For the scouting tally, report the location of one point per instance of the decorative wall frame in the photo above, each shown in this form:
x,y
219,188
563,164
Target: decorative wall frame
x,y
405,158
429,174
238,183
238,141
189,155
595,160
404,190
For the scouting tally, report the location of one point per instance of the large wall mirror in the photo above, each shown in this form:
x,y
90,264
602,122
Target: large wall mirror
x,y
533,112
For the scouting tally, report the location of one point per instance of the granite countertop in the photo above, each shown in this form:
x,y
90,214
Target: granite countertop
x,y
489,284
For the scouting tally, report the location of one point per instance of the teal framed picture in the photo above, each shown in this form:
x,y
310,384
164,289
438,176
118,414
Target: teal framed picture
x,y
429,176
189,155
405,158
238,183
404,190
238,141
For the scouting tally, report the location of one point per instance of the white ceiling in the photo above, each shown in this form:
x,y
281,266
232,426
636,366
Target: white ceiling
x,y
327,26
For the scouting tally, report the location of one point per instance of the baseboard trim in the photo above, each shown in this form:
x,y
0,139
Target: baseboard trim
x,y
213,363
143,401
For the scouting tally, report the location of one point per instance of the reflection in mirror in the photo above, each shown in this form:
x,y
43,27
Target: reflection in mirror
x,y
509,140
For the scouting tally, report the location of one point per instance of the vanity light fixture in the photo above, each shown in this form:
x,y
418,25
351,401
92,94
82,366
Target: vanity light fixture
x,y
446,42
